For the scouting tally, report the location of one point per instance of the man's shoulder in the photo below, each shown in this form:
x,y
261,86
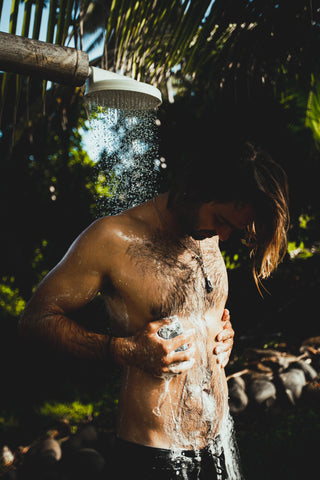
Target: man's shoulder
x,y
121,227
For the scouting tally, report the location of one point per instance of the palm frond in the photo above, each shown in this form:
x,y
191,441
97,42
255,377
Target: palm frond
x,y
51,20
37,18
313,109
32,25
145,39
26,18
13,16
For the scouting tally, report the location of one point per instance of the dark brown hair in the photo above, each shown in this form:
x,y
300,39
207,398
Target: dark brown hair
x,y
243,172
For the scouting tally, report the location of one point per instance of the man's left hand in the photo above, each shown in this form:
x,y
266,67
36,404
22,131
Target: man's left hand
x,y
225,340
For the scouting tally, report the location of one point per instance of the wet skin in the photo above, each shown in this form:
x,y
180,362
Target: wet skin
x,y
145,277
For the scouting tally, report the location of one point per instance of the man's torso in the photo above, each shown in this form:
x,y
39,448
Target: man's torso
x,y
155,277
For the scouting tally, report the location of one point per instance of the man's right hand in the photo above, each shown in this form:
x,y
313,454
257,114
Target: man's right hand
x,y
153,354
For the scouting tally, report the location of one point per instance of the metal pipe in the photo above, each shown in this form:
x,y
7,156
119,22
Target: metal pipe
x,y
47,61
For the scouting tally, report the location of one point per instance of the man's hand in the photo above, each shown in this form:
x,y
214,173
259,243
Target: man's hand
x,y
153,354
157,356
225,339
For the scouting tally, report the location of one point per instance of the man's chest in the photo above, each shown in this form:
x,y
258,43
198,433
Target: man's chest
x,y
157,279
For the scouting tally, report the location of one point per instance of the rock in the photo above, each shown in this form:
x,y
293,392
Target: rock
x,y
293,380
42,460
85,437
263,391
311,393
7,457
238,381
309,372
311,342
71,445
50,448
45,452
85,464
238,399
88,435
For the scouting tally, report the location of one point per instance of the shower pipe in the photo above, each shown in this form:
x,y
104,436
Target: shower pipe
x,y
70,66
58,64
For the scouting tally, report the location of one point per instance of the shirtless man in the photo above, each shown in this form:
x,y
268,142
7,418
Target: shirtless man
x,y
154,264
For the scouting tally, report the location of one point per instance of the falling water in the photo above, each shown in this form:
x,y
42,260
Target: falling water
x,y
230,448
124,145
197,384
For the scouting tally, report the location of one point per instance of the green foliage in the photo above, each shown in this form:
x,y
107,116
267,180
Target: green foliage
x,y
231,261
49,180
304,220
83,399
8,420
106,185
295,250
313,108
11,303
74,412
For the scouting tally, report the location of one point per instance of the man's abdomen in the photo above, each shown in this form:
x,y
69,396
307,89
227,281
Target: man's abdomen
x,y
176,412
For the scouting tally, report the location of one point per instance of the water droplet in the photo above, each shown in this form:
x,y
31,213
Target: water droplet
x,y
124,145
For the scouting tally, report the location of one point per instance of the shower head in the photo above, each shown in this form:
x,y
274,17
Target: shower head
x,y
108,89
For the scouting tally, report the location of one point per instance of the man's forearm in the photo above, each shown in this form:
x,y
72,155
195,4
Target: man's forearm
x,y
63,334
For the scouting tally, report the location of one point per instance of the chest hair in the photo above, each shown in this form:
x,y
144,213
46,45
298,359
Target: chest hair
x,y
177,278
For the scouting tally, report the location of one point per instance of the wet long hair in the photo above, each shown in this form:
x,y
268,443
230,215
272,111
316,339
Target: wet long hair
x,y
241,171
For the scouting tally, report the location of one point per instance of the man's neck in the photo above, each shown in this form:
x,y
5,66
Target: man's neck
x,y
170,218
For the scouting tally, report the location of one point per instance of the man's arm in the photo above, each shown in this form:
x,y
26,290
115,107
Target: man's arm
x,y
72,284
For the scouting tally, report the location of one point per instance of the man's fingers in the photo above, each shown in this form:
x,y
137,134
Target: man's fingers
x,y
186,338
178,362
155,325
181,367
227,325
226,346
225,335
226,315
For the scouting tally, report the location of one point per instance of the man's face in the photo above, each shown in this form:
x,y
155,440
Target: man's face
x,y
220,219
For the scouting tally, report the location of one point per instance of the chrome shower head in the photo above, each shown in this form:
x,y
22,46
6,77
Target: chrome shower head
x,y
108,89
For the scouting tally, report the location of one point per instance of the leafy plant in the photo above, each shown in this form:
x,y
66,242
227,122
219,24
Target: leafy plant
x,y
74,412
11,303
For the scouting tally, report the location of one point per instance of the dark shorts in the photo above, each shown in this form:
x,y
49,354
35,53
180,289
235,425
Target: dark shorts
x,y
131,460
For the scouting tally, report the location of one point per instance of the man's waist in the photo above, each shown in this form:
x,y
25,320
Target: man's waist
x,y
214,447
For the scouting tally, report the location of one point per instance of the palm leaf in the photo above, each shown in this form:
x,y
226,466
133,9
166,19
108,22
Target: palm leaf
x,y
37,19
33,24
26,18
13,16
51,20
313,109
61,19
